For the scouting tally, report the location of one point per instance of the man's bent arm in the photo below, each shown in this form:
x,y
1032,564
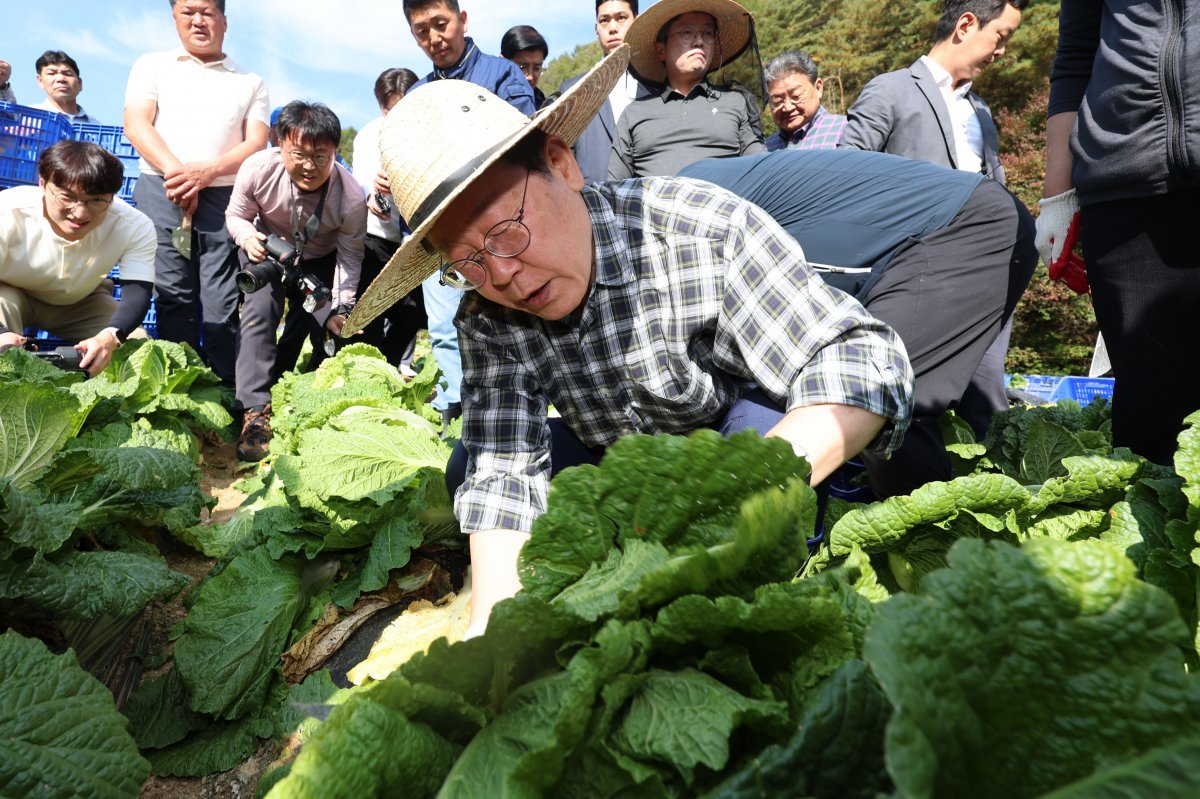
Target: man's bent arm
x,y
829,434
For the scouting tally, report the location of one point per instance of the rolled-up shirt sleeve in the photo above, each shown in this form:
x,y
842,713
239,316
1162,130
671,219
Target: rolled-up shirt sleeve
x,y
505,434
802,341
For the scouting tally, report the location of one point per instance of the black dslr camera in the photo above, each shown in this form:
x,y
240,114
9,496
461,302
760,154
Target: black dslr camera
x,y
282,265
65,358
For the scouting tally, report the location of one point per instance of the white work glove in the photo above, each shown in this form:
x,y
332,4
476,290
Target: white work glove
x,y
1054,220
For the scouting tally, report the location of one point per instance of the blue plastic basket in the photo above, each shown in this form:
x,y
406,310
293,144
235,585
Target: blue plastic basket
x,y
1041,386
1083,389
24,134
112,138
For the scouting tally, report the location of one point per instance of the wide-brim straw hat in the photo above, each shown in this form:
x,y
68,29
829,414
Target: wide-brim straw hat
x,y
438,140
735,27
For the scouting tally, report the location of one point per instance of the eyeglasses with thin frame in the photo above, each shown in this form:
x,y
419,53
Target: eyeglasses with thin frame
x,y
506,239
319,160
779,101
691,34
69,201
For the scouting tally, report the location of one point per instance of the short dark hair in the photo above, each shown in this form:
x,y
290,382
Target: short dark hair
x,y
220,4
522,37
530,153
984,10
82,165
395,80
55,57
661,36
416,5
631,3
788,62
309,123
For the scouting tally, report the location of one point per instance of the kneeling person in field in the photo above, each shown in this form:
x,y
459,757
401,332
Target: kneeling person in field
x,y
661,305
58,242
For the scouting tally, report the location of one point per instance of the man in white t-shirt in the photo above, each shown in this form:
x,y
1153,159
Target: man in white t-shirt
x,y
195,116
58,242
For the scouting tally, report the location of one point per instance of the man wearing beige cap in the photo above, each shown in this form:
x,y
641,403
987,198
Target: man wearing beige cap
x,y
680,42
638,307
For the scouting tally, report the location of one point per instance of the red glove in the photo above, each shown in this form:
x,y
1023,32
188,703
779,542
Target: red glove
x,y
1070,268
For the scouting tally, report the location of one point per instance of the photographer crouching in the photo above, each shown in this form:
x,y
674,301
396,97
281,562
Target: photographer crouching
x,y
58,242
300,219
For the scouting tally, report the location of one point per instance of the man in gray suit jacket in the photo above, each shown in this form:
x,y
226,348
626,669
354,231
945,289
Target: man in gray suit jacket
x,y
928,111
613,18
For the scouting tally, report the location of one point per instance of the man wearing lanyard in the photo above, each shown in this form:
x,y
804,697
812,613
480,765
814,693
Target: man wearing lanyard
x,y
302,195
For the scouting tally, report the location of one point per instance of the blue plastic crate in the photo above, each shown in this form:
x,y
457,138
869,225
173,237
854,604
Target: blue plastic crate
x,y
1083,389
1041,386
112,138
24,134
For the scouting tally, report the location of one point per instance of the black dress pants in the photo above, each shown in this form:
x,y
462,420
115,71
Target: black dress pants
x,y
1143,262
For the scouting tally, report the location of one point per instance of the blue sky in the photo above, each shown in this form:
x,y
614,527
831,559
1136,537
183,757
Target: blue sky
x,y
304,49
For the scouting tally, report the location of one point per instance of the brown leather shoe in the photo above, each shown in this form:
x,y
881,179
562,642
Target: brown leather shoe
x,y
255,440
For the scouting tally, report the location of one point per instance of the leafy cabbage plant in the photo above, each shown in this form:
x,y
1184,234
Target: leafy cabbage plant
x,y
81,489
661,649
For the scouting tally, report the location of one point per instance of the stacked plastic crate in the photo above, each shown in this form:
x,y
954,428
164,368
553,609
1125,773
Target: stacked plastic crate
x,y
112,138
26,132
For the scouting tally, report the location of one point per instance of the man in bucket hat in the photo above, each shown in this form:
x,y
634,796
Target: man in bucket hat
x,y
650,306
678,43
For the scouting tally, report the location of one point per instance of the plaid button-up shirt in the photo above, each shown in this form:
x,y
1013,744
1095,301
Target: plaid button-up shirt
x,y
819,133
697,294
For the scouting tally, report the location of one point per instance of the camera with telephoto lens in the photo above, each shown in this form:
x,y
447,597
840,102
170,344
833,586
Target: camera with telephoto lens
x,y
282,265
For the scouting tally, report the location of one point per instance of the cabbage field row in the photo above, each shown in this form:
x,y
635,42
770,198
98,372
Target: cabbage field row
x,y
1027,629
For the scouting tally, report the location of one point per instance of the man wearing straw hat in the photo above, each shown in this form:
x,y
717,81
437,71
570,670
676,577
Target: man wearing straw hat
x,y
651,306
680,42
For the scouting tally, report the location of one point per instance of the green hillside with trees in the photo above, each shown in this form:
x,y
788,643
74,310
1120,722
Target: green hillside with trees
x,y
854,40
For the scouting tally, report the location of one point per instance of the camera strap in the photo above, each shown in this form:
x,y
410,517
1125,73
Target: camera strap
x,y
301,236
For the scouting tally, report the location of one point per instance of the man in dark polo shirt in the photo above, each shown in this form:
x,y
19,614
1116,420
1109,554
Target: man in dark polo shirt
x,y
680,42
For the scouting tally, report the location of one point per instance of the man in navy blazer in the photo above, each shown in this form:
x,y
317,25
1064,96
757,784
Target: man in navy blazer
x,y
928,111
613,18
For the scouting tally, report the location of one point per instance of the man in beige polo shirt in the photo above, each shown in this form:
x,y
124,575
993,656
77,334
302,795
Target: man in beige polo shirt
x,y
58,242
195,115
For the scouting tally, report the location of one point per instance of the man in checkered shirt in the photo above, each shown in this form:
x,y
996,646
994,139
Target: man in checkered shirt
x,y
659,305
680,307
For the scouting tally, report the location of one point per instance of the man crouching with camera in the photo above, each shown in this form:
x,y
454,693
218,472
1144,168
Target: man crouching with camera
x,y
300,219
